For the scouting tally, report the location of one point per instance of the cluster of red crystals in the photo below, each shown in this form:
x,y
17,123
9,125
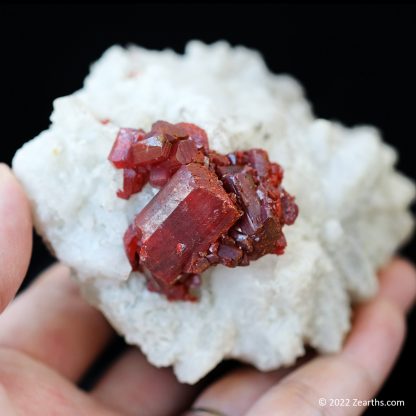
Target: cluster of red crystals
x,y
267,207
157,155
211,209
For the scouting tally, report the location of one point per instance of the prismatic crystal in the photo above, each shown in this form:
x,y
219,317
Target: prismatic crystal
x,y
211,209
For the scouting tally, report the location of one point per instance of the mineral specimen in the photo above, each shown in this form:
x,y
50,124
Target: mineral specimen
x,y
353,206
227,209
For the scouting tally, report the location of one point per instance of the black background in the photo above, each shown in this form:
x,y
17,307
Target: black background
x,y
355,62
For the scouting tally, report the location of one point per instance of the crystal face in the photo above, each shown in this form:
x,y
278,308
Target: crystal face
x,y
121,153
181,221
211,209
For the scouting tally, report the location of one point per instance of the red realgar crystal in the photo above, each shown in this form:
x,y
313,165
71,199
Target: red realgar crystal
x,y
182,220
212,208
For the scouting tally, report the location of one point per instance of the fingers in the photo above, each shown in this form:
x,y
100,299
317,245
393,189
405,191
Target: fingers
x,y
360,369
31,388
134,387
52,323
6,405
15,235
235,393
399,290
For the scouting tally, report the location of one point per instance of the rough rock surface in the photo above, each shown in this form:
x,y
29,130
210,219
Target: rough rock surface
x,y
353,206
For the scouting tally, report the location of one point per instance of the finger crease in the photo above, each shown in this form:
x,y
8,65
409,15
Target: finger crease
x,y
306,395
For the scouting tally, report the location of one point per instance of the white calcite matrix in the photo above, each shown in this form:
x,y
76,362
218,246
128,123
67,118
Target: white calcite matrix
x,y
353,207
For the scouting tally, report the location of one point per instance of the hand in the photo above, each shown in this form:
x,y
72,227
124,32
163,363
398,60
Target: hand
x,y
357,372
49,337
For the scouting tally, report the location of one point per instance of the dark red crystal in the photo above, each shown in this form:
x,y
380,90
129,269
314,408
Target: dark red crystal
x,y
172,132
160,175
185,288
195,133
133,182
192,211
131,240
150,150
212,208
121,153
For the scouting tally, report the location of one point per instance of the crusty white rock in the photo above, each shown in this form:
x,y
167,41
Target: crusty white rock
x,y
353,207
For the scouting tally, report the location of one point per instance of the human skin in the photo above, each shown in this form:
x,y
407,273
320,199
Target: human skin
x,y
49,337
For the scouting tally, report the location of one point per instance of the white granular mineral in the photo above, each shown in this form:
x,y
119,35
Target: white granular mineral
x,y
353,207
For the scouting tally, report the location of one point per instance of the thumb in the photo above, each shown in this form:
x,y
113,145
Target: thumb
x,y
15,235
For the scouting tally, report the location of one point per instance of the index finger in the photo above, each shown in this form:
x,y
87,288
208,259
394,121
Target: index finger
x,y
15,235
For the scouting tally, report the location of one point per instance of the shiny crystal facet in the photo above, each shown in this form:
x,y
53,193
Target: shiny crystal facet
x,y
133,182
121,155
151,149
195,133
192,209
